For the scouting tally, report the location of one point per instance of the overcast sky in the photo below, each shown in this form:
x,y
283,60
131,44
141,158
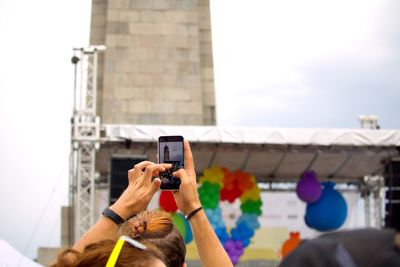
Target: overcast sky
x,y
285,63
36,93
306,63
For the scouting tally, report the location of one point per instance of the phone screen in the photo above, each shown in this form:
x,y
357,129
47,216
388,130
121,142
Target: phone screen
x,y
170,150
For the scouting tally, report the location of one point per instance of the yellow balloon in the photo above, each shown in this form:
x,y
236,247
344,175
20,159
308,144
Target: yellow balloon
x,y
213,175
253,194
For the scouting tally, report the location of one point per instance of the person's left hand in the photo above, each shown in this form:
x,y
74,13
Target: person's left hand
x,y
140,189
187,197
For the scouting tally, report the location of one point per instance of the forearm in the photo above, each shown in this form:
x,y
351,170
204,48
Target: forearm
x,y
103,229
210,250
133,200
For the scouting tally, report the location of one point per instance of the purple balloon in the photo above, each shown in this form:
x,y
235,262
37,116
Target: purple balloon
x,y
309,189
234,259
234,249
238,244
229,245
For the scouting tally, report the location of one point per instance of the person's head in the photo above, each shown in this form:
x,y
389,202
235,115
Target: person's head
x,y
348,248
98,254
157,227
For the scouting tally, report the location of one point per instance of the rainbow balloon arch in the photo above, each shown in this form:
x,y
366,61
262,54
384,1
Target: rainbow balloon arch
x,y
216,185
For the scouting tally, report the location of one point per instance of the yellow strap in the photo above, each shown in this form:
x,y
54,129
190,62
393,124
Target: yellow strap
x,y
115,253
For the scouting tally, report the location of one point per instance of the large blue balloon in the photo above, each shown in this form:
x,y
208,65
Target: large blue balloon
x,y
329,212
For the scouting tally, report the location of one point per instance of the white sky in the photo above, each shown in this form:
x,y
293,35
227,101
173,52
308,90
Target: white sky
x,y
306,63
36,93
285,63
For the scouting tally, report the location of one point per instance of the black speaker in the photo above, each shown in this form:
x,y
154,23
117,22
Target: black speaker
x,y
119,167
392,194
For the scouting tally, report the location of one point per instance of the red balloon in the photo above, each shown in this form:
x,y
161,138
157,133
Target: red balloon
x,y
231,193
167,201
229,179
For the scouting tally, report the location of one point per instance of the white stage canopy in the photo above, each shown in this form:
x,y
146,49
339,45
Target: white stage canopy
x,y
272,154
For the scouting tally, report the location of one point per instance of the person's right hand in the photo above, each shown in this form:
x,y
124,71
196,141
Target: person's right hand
x,y
140,190
187,198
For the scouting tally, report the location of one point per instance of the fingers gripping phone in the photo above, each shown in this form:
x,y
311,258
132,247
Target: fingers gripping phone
x,y
170,150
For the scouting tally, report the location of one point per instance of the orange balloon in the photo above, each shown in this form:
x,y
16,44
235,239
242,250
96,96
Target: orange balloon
x,y
290,244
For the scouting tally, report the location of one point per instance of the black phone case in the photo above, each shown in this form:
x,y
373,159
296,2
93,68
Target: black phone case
x,y
168,181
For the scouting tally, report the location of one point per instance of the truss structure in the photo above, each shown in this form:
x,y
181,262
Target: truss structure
x,y
85,139
372,192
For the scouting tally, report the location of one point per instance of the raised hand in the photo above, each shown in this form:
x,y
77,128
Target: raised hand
x,y
187,198
140,190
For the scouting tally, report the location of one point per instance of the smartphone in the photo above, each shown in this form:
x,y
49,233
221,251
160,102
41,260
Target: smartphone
x,y
170,150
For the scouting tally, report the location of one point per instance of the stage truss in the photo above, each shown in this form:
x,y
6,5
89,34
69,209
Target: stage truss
x,y
85,139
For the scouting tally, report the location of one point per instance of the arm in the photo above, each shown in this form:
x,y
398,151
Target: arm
x,y
187,199
133,200
210,249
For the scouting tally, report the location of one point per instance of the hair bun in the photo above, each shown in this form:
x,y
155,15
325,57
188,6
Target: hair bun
x,y
134,227
147,225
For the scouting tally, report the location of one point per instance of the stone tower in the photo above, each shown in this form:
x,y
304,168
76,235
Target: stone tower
x,y
158,65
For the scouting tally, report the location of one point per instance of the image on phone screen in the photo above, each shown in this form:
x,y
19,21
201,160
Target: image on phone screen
x,y
170,150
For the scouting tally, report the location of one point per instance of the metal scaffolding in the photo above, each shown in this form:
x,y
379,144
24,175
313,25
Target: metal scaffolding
x,y
371,191
85,138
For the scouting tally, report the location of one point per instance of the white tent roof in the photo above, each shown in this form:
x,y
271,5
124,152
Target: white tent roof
x,y
270,136
9,256
273,154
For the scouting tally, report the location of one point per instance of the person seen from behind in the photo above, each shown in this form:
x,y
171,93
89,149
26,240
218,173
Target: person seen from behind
x,y
141,188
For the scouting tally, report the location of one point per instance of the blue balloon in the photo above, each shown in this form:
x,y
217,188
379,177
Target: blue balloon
x,y
236,234
329,212
189,234
246,242
215,217
222,234
307,222
250,219
243,233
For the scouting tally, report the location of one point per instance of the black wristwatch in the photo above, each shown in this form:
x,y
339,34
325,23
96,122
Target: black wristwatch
x,y
107,212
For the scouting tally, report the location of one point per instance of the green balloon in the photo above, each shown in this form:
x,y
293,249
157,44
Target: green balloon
x,y
209,195
179,222
251,206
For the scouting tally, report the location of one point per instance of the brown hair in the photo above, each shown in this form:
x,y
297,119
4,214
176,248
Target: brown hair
x,y
97,254
157,227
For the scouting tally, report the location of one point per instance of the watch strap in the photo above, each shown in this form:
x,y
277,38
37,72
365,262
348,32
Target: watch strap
x,y
107,212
